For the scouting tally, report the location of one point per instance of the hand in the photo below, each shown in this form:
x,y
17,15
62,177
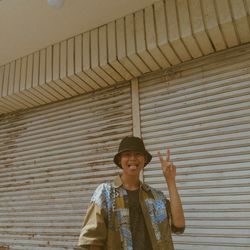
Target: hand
x,y
168,168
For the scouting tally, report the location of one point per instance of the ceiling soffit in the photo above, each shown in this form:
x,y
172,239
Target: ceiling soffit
x,y
157,37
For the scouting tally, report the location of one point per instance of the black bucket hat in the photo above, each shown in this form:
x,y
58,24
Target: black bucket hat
x,y
132,143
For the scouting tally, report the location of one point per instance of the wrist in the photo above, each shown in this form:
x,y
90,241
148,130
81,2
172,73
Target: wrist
x,y
170,181
171,184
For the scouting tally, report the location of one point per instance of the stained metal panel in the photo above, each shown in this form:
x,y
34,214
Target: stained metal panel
x,y
211,24
131,44
186,29
161,33
151,38
94,46
201,111
121,48
103,55
78,63
112,52
86,60
141,41
198,27
173,31
51,159
71,66
226,23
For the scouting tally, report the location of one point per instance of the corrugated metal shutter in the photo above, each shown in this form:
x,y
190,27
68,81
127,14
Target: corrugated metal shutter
x,y
51,160
201,111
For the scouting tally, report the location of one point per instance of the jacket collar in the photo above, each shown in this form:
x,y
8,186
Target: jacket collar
x,y
118,183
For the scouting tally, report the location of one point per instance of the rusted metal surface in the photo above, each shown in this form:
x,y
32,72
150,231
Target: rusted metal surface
x,y
51,160
53,157
4,248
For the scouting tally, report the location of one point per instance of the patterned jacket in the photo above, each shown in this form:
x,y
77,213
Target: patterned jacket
x,y
107,220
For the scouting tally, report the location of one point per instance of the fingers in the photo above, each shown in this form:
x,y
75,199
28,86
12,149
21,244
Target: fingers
x,y
168,154
160,156
172,166
168,167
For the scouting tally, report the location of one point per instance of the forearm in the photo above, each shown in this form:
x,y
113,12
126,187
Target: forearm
x,y
94,230
178,218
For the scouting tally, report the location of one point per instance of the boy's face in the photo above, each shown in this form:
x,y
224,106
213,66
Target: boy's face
x,y
132,162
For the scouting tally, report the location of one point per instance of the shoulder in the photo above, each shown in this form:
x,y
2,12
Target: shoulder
x,y
102,189
159,195
103,186
101,193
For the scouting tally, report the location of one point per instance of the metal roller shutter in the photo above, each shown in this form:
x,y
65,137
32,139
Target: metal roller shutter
x,y
51,159
201,111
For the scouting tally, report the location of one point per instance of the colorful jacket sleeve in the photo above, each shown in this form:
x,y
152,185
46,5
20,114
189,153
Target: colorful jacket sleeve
x,y
94,229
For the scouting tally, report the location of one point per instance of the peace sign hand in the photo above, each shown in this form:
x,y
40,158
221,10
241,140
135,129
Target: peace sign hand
x,y
168,168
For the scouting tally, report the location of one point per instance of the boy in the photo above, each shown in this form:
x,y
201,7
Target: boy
x,y
128,214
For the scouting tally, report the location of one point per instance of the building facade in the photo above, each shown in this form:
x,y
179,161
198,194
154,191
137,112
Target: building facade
x,y
176,73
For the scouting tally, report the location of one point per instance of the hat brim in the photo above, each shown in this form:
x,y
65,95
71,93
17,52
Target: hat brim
x,y
117,157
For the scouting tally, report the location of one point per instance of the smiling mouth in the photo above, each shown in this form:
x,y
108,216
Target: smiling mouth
x,y
133,166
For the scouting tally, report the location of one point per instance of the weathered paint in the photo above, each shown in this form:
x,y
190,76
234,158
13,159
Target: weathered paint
x,y
51,160
201,111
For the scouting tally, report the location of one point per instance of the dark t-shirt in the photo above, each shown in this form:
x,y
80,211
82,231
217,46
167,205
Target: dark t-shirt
x,y
139,230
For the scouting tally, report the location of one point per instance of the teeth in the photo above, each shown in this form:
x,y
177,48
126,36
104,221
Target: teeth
x,y
133,166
